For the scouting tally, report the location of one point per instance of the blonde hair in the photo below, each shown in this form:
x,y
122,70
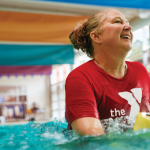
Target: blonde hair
x,y
80,36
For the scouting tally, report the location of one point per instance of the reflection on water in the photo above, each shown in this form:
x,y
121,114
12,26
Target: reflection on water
x,y
53,135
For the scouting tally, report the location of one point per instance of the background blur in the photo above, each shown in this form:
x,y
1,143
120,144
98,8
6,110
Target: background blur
x,y
36,55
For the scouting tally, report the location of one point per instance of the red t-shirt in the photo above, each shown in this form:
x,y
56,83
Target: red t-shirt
x,y
91,92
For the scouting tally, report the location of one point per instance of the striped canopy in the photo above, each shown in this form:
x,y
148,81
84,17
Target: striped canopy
x,y
29,39
32,39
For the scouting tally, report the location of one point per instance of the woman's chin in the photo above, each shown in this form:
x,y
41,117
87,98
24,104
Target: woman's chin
x,y
128,47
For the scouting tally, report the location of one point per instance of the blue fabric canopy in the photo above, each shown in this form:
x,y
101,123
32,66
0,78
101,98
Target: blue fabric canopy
x,y
143,4
29,55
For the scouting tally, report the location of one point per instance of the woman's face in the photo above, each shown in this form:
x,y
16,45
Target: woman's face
x,y
116,31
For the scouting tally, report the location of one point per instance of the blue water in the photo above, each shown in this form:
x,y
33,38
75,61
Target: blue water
x,y
55,136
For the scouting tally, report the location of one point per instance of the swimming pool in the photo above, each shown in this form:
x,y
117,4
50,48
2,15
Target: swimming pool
x,y
53,135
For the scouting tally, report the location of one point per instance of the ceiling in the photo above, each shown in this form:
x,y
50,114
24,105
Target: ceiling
x,y
70,9
61,8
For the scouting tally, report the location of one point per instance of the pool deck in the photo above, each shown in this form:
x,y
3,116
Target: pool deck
x,y
22,122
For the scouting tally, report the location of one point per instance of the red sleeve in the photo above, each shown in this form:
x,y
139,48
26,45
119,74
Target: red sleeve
x,y
80,100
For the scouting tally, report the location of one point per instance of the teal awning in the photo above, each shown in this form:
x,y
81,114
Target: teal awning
x,y
35,54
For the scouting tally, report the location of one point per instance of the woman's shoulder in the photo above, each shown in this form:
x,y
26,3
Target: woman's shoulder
x,y
81,70
136,65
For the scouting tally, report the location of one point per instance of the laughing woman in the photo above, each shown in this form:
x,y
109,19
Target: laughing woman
x,y
106,86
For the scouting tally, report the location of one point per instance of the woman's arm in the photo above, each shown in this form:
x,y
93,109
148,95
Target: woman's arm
x,y
87,126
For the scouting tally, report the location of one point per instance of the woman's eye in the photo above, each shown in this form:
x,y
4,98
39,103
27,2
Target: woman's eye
x,y
118,21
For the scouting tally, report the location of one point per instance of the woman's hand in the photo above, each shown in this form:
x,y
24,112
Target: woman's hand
x,y
87,126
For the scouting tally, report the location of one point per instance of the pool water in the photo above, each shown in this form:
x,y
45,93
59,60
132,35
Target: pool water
x,y
55,136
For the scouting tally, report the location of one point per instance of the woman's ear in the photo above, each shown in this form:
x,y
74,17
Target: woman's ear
x,y
95,37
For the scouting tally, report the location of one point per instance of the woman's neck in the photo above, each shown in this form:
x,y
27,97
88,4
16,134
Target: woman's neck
x,y
113,67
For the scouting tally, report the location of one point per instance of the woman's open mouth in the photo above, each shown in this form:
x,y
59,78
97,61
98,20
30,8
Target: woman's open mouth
x,y
125,36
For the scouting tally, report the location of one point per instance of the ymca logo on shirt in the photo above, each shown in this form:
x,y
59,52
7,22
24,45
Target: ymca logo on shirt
x,y
134,99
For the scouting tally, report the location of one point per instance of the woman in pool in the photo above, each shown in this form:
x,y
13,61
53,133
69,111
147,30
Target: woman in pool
x,y
106,86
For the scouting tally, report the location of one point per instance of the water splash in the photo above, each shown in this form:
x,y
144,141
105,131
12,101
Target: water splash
x,y
54,135
118,125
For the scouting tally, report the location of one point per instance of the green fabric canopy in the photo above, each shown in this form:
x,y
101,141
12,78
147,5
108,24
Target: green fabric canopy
x,y
29,55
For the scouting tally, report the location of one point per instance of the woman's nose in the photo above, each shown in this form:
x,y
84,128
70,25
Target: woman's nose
x,y
127,27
